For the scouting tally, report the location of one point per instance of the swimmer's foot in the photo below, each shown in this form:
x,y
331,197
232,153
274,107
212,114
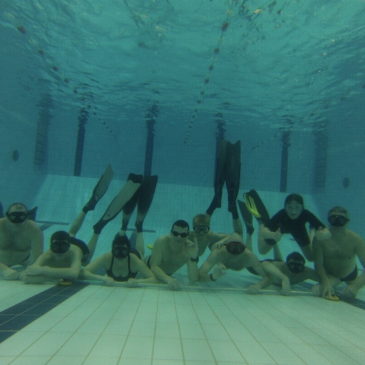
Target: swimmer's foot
x,y
100,189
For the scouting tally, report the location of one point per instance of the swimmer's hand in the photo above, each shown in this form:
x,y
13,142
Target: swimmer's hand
x,y
218,271
267,233
132,283
253,289
285,287
173,284
326,291
10,274
107,280
322,234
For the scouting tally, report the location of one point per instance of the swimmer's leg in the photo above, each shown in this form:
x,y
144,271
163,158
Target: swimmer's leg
x,y
233,174
247,219
125,194
99,190
142,199
138,241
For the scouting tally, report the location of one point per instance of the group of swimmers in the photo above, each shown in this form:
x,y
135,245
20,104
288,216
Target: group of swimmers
x,y
334,249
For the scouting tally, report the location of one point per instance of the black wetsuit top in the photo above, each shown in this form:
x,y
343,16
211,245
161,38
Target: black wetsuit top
x,y
130,274
296,227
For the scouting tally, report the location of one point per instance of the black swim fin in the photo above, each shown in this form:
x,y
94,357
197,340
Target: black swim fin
x,y
32,213
233,175
100,189
253,199
142,199
219,176
247,217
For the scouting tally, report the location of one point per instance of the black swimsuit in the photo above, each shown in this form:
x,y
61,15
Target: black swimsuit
x,y
253,271
130,274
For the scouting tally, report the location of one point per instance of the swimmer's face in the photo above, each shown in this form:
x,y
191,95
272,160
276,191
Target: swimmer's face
x,y
17,214
179,234
295,266
201,228
293,209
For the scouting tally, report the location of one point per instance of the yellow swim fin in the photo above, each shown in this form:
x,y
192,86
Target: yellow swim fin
x,y
251,206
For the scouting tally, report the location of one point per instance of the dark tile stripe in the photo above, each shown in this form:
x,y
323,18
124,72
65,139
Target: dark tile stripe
x,y
20,315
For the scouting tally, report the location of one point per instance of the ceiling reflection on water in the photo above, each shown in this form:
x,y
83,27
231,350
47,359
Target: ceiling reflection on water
x,y
286,64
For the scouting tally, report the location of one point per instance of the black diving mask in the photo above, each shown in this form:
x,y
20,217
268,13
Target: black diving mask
x,y
17,217
201,228
60,246
337,220
120,246
295,267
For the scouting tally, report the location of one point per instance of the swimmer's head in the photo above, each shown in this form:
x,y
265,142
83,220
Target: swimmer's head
x,y
295,262
338,216
60,242
201,223
235,247
294,205
17,213
180,229
121,246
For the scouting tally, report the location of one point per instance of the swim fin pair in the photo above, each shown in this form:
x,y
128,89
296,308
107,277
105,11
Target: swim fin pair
x,y
141,199
227,171
128,190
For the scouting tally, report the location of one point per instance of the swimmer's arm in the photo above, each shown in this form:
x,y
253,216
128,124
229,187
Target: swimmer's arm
x,y
141,267
213,259
36,244
319,267
72,272
252,261
223,238
271,269
8,273
217,240
100,264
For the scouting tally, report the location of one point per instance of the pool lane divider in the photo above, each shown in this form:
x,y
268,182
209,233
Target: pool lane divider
x,y
15,318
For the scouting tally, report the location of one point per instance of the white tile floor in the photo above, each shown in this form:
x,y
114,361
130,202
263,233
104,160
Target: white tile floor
x,y
196,326
103,325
